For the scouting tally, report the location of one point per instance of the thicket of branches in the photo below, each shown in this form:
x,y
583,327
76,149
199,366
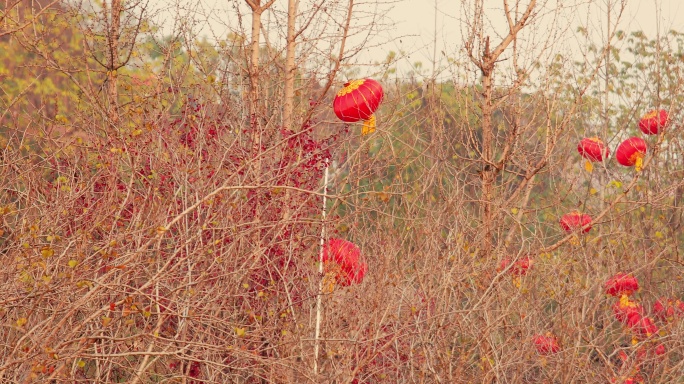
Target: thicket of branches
x,y
161,198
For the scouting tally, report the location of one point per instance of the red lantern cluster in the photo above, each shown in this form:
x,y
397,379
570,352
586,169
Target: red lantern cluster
x,y
668,309
593,149
358,100
546,344
627,311
630,152
654,121
573,221
343,258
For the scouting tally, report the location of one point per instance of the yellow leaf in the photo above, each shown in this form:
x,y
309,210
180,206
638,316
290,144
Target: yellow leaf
x,y
240,332
245,285
84,283
47,252
659,235
106,320
160,230
615,183
588,166
592,191
73,263
21,321
81,364
514,211
137,132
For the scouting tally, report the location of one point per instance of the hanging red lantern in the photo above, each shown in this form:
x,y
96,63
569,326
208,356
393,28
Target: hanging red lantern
x,y
654,121
668,309
358,100
622,284
574,221
519,268
592,149
546,344
342,259
631,152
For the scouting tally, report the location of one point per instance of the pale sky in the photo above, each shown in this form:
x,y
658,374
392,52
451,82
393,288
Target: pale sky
x,y
414,23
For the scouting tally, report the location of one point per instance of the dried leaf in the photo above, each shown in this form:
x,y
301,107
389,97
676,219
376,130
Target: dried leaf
x,y
47,252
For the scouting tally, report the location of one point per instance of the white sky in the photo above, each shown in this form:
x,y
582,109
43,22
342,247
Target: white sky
x,y
414,23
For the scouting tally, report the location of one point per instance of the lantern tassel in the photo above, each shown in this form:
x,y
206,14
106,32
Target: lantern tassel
x,y
368,126
639,163
588,166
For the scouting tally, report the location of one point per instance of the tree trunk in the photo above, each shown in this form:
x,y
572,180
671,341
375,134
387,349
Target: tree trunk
x,y
288,109
488,171
254,64
113,60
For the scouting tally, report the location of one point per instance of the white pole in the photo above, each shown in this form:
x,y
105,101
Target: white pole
x,y
319,303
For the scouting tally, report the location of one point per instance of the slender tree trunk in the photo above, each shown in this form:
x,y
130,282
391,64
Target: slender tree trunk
x,y
113,60
488,171
486,61
290,69
254,63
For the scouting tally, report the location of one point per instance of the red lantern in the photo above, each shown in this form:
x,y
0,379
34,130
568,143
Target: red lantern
x,y
653,122
668,309
622,284
358,100
593,149
519,268
574,221
546,344
343,258
631,152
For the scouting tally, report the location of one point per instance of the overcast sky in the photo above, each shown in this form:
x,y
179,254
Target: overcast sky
x,y
414,23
